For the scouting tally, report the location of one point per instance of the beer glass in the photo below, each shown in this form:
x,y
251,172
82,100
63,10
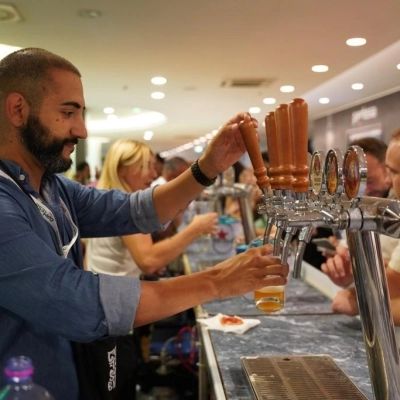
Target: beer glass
x,y
268,298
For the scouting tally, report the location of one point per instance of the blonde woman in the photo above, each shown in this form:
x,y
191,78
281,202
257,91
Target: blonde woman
x,y
130,166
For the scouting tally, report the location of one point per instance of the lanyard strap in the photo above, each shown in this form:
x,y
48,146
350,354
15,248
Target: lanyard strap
x,y
48,216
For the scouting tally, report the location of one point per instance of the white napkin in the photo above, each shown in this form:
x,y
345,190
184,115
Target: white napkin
x,y
215,323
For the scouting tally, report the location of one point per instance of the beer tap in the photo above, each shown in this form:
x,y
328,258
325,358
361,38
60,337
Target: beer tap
x,y
284,171
250,139
298,117
270,202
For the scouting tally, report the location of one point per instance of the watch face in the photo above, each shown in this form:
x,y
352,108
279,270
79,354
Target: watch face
x,y
317,172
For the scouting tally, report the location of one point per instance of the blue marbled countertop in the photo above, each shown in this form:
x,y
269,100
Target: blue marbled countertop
x,y
304,326
338,336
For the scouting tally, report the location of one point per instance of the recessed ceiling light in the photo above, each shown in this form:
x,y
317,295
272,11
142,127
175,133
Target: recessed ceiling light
x,y
148,135
198,149
108,110
89,13
357,86
254,110
158,80
356,42
320,68
157,95
269,100
324,100
287,89
136,110
398,66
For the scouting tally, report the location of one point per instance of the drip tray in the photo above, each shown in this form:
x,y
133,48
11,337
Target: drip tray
x,y
314,377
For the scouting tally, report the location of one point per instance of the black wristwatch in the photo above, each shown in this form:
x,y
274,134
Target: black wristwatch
x,y
199,176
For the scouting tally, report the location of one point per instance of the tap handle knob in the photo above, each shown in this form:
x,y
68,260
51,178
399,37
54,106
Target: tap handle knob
x,y
273,150
285,146
298,114
250,139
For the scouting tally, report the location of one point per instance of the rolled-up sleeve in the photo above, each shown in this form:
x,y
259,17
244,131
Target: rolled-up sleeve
x,y
144,213
119,296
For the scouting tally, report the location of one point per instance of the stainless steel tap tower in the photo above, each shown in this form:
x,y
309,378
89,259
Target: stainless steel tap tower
x,y
329,193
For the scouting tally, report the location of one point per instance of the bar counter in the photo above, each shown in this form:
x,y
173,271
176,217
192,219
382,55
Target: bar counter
x,y
304,326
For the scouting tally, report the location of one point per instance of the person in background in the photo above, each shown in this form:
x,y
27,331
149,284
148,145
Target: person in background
x,y
378,184
339,268
159,164
172,168
82,174
49,306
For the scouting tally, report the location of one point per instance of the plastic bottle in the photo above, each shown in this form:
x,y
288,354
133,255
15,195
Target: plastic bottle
x,y
18,373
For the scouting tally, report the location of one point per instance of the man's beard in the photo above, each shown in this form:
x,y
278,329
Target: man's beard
x,y
37,140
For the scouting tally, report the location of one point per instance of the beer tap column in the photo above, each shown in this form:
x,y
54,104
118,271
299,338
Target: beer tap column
x,y
371,288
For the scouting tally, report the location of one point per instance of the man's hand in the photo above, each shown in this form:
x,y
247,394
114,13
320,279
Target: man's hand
x,y
338,267
225,148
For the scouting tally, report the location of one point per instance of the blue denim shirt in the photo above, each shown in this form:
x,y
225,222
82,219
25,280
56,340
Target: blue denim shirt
x,y
47,301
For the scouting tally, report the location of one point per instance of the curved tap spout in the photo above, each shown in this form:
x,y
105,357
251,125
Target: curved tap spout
x,y
304,238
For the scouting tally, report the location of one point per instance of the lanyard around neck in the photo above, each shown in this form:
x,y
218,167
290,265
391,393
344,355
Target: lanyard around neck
x,y
48,216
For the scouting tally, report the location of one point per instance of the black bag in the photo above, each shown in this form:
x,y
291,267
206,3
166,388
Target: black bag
x,y
108,368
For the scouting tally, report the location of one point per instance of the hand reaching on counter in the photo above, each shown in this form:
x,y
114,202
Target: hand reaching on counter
x,y
345,302
338,267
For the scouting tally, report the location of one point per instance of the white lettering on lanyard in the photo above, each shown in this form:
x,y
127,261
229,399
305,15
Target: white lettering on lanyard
x,y
49,217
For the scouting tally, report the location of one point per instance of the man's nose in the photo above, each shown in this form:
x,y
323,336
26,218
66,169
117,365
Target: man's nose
x,y
79,130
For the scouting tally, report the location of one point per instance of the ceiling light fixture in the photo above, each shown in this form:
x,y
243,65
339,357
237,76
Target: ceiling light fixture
x,y
324,100
320,68
90,14
287,89
398,66
158,80
269,100
356,42
108,110
148,135
157,95
357,86
254,110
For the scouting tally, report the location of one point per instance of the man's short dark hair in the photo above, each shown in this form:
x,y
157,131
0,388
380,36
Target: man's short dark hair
x,y
375,147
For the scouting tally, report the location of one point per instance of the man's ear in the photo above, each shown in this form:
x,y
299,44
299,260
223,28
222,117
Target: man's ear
x,y
17,109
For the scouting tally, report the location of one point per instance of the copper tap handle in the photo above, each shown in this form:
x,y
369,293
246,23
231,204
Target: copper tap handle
x,y
273,150
250,139
298,115
285,146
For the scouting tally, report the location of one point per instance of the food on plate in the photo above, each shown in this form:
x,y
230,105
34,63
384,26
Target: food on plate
x,y
228,320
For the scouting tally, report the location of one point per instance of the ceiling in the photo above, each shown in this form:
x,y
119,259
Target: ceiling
x,y
200,45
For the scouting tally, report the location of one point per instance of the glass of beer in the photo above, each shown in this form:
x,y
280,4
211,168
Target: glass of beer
x,y
268,298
